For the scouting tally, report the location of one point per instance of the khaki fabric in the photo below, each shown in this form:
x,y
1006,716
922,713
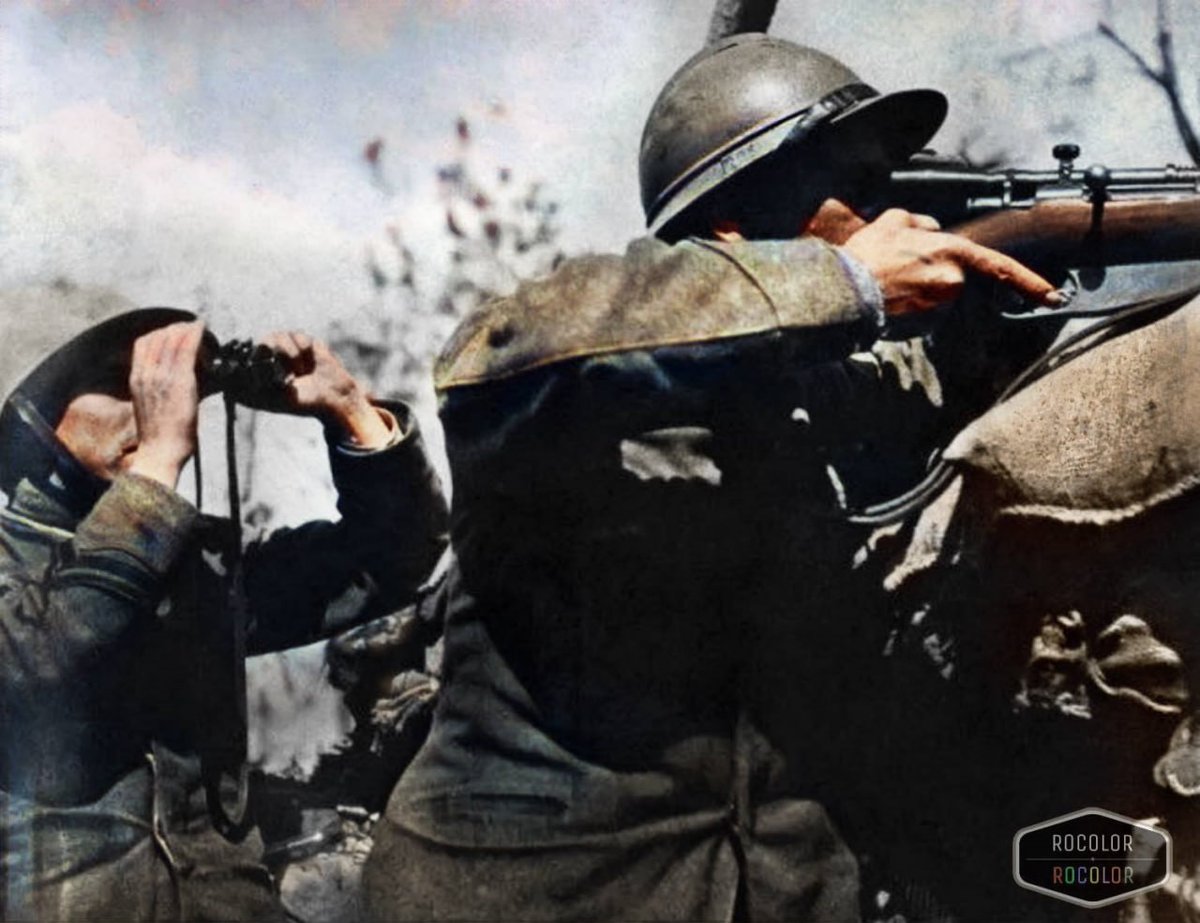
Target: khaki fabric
x,y
656,295
1109,434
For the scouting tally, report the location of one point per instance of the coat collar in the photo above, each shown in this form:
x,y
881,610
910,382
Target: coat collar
x,y
51,502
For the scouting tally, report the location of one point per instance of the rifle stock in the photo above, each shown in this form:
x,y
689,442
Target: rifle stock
x,y
1112,236
1082,234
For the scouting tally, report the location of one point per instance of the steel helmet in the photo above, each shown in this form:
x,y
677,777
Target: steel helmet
x,y
737,101
56,342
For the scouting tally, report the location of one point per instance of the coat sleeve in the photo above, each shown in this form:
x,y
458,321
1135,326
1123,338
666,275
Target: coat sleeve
x,y
691,380
69,628
658,296
306,583
99,586
702,335
641,397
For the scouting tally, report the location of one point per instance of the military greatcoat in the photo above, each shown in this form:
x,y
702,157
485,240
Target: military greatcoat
x,y
115,666
655,648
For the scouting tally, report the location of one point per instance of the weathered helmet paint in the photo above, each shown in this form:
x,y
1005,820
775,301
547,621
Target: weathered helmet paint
x,y
737,101
54,343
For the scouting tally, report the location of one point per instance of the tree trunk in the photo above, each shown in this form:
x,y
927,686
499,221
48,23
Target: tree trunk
x,y
733,16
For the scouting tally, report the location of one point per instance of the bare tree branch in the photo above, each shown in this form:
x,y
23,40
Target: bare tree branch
x,y
1166,75
733,16
1108,32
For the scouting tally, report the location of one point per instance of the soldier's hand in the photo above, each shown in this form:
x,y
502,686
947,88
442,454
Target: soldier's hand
x,y
918,266
834,222
166,398
321,387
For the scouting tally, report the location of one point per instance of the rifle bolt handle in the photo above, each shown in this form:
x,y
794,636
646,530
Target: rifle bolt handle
x,y
1097,178
1065,151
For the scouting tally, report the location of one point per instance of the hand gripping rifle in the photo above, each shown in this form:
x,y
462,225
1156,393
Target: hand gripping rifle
x,y
1123,245
1110,238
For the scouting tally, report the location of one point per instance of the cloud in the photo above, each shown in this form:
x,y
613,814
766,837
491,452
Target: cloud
x,y
84,196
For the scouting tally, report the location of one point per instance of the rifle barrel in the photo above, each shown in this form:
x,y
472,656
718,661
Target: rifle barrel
x,y
955,194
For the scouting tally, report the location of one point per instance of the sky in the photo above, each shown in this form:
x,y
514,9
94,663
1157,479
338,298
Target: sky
x,y
181,144
210,154
189,151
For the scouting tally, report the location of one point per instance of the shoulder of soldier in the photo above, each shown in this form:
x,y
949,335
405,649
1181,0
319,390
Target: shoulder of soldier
x,y
655,294
546,319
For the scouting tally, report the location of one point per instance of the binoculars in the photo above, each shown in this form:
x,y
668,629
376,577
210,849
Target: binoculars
x,y
245,372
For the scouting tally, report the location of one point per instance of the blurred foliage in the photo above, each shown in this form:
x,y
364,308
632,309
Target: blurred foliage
x,y
497,230
494,230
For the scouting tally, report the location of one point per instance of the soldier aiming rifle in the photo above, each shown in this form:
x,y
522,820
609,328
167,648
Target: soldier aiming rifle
x,y
652,694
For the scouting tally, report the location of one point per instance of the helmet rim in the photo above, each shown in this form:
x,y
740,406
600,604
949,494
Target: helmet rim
x,y
53,376
904,121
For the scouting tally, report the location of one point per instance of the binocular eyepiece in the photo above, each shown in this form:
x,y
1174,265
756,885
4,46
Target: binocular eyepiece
x,y
245,372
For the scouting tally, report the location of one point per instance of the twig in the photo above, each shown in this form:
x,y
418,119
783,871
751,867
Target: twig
x,y
1166,75
731,17
1108,32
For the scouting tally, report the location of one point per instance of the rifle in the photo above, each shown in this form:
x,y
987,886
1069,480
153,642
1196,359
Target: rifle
x,y
1122,245
1109,238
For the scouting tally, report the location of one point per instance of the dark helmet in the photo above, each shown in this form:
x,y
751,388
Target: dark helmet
x,y
56,345
737,101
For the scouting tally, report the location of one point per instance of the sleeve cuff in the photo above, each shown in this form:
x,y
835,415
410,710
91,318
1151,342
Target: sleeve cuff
x,y
393,483
806,282
396,434
863,280
349,460
140,517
